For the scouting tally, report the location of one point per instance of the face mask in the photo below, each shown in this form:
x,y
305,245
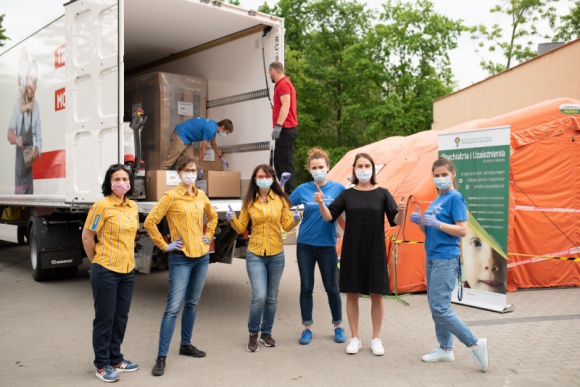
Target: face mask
x,y
264,183
318,174
120,188
222,134
188,178
363,175
442,183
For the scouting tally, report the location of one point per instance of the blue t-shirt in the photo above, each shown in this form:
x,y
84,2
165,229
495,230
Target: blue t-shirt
x,y
449,208
314,230
196,129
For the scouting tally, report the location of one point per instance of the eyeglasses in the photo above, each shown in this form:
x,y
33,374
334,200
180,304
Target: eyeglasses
x,y
263,176
189,170
116,167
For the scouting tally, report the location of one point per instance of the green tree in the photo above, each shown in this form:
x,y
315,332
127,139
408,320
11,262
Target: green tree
x,y
399,69
569,26
2,31
517,45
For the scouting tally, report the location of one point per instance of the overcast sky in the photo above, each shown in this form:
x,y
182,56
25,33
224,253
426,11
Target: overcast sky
x,y
24,17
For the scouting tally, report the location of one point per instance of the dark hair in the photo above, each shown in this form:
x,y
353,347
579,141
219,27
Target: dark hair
x,y
253,188
317,153
279,67
182,162
106,186
363,156
227,124
445,162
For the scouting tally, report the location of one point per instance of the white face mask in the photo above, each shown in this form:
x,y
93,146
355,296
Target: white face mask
x,y
363,175
222,134
188,178
264,183
318,174
442,183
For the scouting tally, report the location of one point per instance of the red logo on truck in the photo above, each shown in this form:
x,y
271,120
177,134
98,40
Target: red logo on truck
x,y
59,99
59,57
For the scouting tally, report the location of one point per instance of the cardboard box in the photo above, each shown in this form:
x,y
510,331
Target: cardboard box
x,y
289,238
167,100
220,184
159,182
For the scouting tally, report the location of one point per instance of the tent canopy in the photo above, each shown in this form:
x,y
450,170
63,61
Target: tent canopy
x,y
544,217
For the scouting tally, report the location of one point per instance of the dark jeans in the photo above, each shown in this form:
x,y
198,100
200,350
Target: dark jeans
x,y
284,156
112,293
327,259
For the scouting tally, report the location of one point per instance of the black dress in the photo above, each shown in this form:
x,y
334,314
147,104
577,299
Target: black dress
x,y
363,262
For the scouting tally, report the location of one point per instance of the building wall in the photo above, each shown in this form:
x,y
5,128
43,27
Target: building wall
x,y
555,74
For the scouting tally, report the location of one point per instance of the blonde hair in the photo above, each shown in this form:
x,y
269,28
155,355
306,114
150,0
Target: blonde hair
x,y
317,153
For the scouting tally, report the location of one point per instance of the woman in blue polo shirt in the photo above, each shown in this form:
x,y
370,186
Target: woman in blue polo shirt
x,y
444,224
317,244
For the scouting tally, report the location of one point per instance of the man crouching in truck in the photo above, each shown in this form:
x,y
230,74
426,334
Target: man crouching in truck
x,y
196,130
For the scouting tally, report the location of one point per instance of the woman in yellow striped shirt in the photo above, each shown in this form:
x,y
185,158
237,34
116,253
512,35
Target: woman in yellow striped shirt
x,y
114,220
184,208
268,207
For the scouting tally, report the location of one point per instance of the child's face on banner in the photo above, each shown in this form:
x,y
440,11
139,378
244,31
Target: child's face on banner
x,y
484,268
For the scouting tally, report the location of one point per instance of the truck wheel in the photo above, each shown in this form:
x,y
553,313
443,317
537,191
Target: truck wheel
x,y
38,274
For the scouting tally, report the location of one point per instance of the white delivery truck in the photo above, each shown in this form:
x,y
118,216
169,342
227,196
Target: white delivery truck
x,y
59,144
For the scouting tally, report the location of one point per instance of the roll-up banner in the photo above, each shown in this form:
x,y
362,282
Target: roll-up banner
x,y
482,162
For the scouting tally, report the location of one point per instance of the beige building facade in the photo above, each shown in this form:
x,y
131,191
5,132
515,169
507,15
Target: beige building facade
x,y
555,74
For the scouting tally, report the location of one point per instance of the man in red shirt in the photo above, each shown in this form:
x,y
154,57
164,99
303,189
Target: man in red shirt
x,y
285,123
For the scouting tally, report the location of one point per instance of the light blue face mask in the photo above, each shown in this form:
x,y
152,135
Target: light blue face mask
x,y
442,183
222,134
319,174
264,183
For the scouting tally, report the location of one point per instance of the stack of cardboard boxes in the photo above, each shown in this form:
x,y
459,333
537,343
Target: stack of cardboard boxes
x,y
167,100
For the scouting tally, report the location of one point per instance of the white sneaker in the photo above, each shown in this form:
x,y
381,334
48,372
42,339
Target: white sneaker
x,y
480,354
377,347
354,345
438,355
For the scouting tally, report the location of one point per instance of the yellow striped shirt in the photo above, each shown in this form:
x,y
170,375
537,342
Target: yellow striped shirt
x,y
184,213
115,222
268,220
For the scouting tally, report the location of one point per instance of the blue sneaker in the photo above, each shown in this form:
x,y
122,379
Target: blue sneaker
x,y
107,374
339,336
306,337
126,366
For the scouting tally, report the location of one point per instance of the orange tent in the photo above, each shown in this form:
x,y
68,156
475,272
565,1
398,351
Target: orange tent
x,y
544,215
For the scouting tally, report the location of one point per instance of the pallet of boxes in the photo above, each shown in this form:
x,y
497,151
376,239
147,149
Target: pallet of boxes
x,y
167,100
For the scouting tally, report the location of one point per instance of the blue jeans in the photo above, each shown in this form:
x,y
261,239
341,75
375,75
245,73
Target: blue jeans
x,y
441,277
265,273
186,280
112,293
327,259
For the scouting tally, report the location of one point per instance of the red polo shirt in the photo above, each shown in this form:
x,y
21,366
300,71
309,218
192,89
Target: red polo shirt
x,y
282,87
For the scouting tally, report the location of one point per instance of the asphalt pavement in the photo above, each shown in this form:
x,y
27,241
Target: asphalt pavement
x,y
45,336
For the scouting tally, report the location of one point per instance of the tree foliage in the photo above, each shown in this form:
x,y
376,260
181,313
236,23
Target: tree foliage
x,y
2,31
362,77
515,45
569,26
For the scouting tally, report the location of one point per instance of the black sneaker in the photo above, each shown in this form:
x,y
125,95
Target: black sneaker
x,y
159,368
253,343
190,350
268,340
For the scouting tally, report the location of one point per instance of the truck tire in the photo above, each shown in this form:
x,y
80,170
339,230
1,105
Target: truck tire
x,y
38,274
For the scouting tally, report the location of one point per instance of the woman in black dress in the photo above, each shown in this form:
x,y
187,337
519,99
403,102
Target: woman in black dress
x,y
363,264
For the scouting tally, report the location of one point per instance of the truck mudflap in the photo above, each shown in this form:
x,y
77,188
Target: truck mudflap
x,y
55,245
